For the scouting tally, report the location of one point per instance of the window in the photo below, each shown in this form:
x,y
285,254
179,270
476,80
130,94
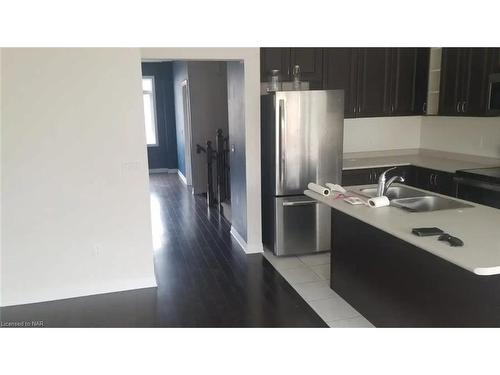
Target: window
x,y
148,95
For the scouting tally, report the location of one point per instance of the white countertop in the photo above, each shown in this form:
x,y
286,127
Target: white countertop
x,y
478,227
441,161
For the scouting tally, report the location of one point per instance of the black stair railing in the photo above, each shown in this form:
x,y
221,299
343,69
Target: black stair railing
x,y
221,192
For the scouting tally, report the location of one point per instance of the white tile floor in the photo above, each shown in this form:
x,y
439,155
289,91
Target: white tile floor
x,y
309,275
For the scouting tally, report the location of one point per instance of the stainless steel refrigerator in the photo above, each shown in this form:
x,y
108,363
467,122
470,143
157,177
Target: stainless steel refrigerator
x,y
301,142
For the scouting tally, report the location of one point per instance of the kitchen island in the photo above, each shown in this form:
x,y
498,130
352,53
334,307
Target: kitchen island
x,y
396,279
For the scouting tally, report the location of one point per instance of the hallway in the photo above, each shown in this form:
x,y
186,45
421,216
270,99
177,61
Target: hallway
x,y
204,278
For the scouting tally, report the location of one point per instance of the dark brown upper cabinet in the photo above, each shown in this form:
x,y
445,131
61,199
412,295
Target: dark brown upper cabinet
x,y
274,59
310,61
494,63
373,82
339,73
464,80
409,78
376,81
450,87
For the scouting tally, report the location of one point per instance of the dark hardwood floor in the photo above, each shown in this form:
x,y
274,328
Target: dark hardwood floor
x,y
204,279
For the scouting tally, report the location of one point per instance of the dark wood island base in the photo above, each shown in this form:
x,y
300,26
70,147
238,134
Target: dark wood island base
x,y
395,284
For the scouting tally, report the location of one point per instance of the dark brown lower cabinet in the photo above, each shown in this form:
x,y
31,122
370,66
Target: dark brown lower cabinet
x,y
352,177
366,176
435,181
395,284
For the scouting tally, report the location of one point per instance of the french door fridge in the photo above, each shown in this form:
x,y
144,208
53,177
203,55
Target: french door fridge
x,y
301,142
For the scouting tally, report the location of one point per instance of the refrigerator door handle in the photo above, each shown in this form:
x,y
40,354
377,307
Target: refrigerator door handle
x,y
282,154
299,203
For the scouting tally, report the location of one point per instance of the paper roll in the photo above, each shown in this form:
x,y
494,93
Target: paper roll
x,y
335,187
318,189
382,201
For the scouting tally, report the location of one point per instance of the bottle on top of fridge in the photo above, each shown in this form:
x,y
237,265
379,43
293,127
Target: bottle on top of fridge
x,y
296,77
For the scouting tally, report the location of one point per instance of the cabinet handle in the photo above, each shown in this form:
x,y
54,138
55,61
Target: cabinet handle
x,y
464,106
392,108
435,179
424,107
458,106
359,108
354,109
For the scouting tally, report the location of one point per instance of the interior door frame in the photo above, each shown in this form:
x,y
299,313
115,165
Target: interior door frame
x,y
186,107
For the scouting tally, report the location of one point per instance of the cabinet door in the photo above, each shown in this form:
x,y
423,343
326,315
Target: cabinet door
x,y
339,71
493,60
444,183
450,87
422,80
409,78
475,81
274,58
403,81
435,181
373,82
408,173
352,177
424,178
310,61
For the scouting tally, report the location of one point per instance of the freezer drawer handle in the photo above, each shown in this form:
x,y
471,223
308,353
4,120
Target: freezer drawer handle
x,y
299,203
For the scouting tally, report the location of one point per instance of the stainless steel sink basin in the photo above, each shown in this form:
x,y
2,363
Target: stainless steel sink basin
x,y
394,192
428,203
414,200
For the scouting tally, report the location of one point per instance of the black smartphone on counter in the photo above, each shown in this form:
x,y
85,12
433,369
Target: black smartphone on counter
x,y
424,232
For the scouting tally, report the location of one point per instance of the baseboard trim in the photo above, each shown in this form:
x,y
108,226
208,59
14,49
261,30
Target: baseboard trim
x,y
76,292
248,249
163,170
182,177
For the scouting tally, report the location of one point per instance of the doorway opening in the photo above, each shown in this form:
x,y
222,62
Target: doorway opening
x,y
192,109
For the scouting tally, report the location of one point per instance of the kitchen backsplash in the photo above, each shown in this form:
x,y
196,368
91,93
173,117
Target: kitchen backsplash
x,y
381,133
467,135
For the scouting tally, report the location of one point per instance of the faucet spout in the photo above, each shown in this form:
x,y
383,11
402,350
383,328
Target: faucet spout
x,y
381,182
383,185
391,180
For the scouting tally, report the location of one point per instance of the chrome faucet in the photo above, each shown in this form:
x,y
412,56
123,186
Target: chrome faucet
x,y
383,185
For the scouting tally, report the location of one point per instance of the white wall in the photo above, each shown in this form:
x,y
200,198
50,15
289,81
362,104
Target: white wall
x,y
76,211
251,59
381,133
1,164
466,135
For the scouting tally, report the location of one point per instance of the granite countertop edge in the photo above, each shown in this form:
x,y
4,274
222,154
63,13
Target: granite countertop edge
x,y
437,160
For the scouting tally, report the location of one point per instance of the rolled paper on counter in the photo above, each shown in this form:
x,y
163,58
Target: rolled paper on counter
x,y
335,187
382,201
318,189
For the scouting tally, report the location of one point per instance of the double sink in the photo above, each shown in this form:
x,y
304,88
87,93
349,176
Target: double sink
x,y
414,200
